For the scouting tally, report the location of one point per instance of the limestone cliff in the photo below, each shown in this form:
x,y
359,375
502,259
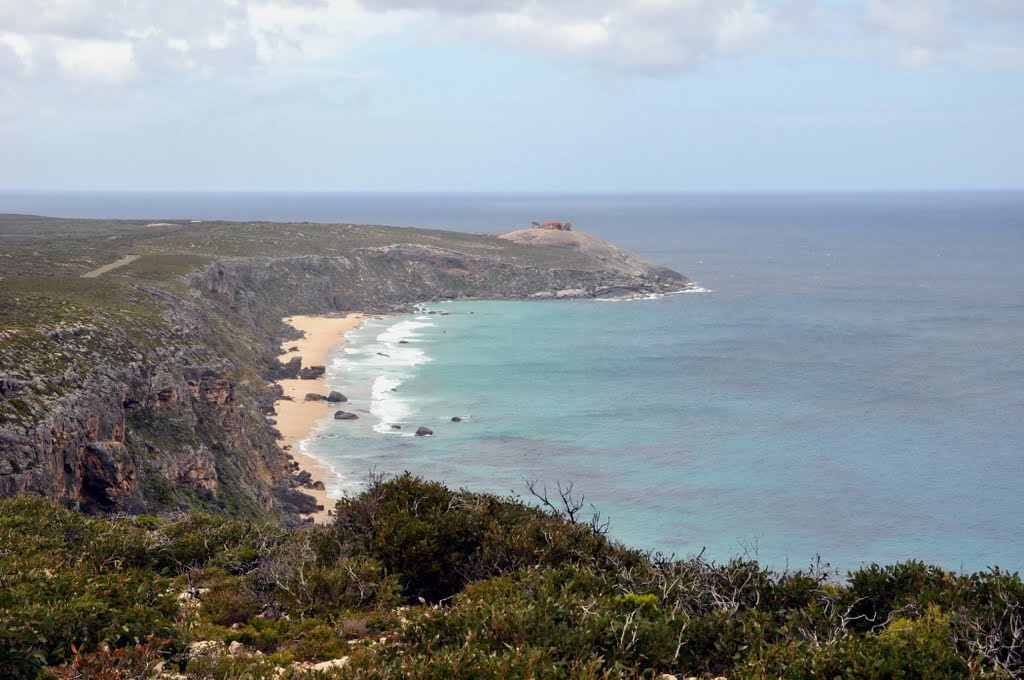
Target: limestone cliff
x,y
144,388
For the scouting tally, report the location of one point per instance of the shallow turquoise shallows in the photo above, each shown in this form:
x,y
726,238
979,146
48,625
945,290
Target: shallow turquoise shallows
x,y
852,386
854,390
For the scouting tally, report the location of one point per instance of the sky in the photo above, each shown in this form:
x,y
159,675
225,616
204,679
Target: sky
x,y
512,95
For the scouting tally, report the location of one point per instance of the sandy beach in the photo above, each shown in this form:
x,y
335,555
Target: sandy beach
x,y
297,417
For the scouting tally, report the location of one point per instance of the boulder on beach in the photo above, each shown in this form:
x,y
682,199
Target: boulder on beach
x,y
304,477
345,415
313,396
424,432
312,372
288,371
336,397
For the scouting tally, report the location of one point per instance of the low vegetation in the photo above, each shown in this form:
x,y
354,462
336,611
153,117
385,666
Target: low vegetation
x,y
413,579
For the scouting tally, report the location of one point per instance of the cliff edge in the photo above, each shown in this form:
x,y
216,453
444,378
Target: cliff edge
x,y
145,388
639,275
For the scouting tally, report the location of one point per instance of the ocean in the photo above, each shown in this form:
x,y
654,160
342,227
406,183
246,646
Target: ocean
x,y
849,385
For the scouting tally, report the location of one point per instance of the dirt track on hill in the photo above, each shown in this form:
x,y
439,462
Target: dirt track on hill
x,y
127,259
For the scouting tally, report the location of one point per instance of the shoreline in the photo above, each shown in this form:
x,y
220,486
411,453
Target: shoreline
x,y
297,418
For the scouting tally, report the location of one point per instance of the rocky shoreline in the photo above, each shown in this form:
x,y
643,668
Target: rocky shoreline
x,y
304,401
148,388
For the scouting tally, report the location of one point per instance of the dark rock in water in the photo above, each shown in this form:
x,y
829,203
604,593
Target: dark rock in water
x,y
424,432
456,419
312,372
396,427
394,389
313,396
381,354
403,342
304,477
336,397
431,312
345,415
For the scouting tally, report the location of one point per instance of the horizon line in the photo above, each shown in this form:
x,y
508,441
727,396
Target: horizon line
x,y
527,192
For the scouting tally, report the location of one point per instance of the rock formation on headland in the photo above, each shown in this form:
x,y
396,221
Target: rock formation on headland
x,y
553,225
638,275
146,388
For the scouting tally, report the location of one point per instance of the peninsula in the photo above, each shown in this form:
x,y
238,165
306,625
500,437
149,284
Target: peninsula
x,y
136,355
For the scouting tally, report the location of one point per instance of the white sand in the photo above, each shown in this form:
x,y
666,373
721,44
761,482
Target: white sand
x,y
296,418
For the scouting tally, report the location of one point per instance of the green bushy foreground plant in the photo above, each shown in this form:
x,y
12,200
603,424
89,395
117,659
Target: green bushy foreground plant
x,y
415,580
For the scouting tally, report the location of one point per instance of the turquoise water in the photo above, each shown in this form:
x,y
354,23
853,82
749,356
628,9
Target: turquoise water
x,y
850,392
853,386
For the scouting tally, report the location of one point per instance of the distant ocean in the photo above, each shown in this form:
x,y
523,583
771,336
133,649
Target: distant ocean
x,y
851,386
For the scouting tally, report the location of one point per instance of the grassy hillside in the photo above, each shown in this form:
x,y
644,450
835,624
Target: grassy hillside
x,y
416,580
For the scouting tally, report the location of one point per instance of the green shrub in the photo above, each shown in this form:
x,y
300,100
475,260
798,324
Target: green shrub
x,y
199,540
565,612
125,663
905,648
68,581
227,605
436,540
875,592
318,641
348,584
261,634
522,593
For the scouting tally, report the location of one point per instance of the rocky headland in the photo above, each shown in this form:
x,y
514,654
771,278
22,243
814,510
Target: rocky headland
x,y
146,387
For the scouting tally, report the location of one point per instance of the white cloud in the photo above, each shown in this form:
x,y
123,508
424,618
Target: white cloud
x,y
921,22
95,60
923,31
61,42
743,27
104,41
624,35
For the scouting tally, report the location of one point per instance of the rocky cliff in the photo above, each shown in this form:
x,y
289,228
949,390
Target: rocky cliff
x,y
144,389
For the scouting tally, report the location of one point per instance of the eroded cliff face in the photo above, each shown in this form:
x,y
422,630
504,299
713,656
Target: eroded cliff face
x,y
135,411
397,276
76,451
136,440
126,396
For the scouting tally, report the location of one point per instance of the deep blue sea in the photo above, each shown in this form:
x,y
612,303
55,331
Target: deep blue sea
x,y
852,386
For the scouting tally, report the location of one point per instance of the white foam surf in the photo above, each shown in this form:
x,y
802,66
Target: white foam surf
x,y
387,406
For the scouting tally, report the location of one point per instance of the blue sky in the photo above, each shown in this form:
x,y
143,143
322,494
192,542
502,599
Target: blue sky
x,y
512,95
